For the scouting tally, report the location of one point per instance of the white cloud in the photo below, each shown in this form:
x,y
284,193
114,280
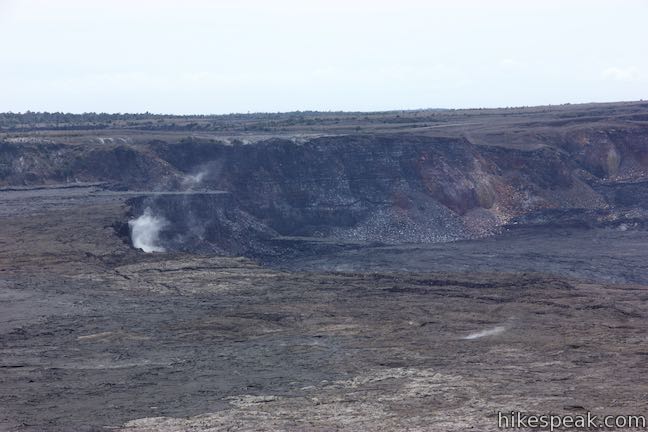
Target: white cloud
x,y
509,63
629,73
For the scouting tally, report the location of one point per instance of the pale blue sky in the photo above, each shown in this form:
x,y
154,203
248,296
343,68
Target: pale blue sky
x,y
198,56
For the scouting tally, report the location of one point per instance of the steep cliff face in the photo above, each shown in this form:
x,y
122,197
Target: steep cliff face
x,y
25,164
338,183
403,188
42,163
389,188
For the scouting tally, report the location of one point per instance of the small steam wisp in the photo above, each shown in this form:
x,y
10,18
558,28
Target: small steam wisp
x,y
487,332
145,231
193,180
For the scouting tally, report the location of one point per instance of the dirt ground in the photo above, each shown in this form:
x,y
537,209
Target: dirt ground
x,y
97,336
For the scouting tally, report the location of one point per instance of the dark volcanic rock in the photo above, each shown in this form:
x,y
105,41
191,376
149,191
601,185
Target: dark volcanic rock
x,y
206,222
380,188
341,333
397,187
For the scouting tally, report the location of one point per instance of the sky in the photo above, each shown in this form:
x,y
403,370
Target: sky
x,y
213,57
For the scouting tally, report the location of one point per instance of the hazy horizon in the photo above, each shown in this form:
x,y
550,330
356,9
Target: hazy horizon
x,y
171,114
200,57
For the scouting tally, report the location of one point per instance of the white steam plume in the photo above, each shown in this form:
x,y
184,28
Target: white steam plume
x,y
145,231
193,180
488,332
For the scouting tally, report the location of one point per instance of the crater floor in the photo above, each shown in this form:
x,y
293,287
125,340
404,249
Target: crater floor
x,y
95,334
412,270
